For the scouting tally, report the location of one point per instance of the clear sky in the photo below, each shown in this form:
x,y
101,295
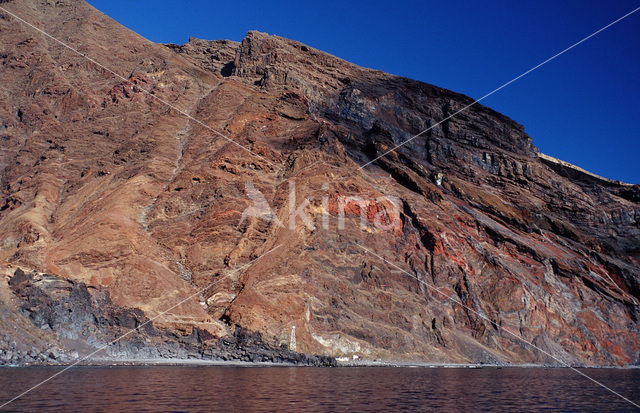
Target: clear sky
x,y
583,107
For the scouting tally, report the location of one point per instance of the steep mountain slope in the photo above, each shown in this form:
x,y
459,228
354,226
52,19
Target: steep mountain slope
x,y
460,246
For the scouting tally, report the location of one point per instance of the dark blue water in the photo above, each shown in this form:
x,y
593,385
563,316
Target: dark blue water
x,y
262,389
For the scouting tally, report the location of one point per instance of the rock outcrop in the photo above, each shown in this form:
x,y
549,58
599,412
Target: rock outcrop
x,y
462,245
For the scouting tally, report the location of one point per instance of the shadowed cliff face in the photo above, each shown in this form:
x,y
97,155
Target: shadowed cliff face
x,y
105,185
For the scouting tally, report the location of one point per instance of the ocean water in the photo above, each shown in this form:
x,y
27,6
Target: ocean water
x,y
269,389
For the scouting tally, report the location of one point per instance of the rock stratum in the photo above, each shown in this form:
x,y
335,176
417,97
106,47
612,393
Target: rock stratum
x,y
120,215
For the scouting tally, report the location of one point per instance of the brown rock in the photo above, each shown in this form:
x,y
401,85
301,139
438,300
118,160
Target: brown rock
x,y
107,186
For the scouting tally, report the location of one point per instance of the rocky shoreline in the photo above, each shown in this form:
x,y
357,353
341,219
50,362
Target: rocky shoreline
x,y
12,357
107,362
88,322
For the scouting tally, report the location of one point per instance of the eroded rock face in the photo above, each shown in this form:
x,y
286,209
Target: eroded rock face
x,y
105,186
85,318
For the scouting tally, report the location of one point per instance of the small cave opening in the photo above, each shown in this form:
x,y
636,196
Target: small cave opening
x,y
227,69
225,319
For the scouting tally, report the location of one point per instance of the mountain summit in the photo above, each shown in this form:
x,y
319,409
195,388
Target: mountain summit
x,y
229,199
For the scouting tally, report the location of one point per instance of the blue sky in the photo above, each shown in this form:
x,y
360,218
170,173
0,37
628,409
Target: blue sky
x,y
583,107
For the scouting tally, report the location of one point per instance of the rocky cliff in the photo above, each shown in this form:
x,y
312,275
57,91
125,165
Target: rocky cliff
x,y
125,195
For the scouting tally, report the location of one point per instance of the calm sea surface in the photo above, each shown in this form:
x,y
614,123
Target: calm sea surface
x,y
246,389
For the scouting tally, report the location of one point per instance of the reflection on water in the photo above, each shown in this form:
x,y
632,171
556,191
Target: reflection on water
x,y
317,389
